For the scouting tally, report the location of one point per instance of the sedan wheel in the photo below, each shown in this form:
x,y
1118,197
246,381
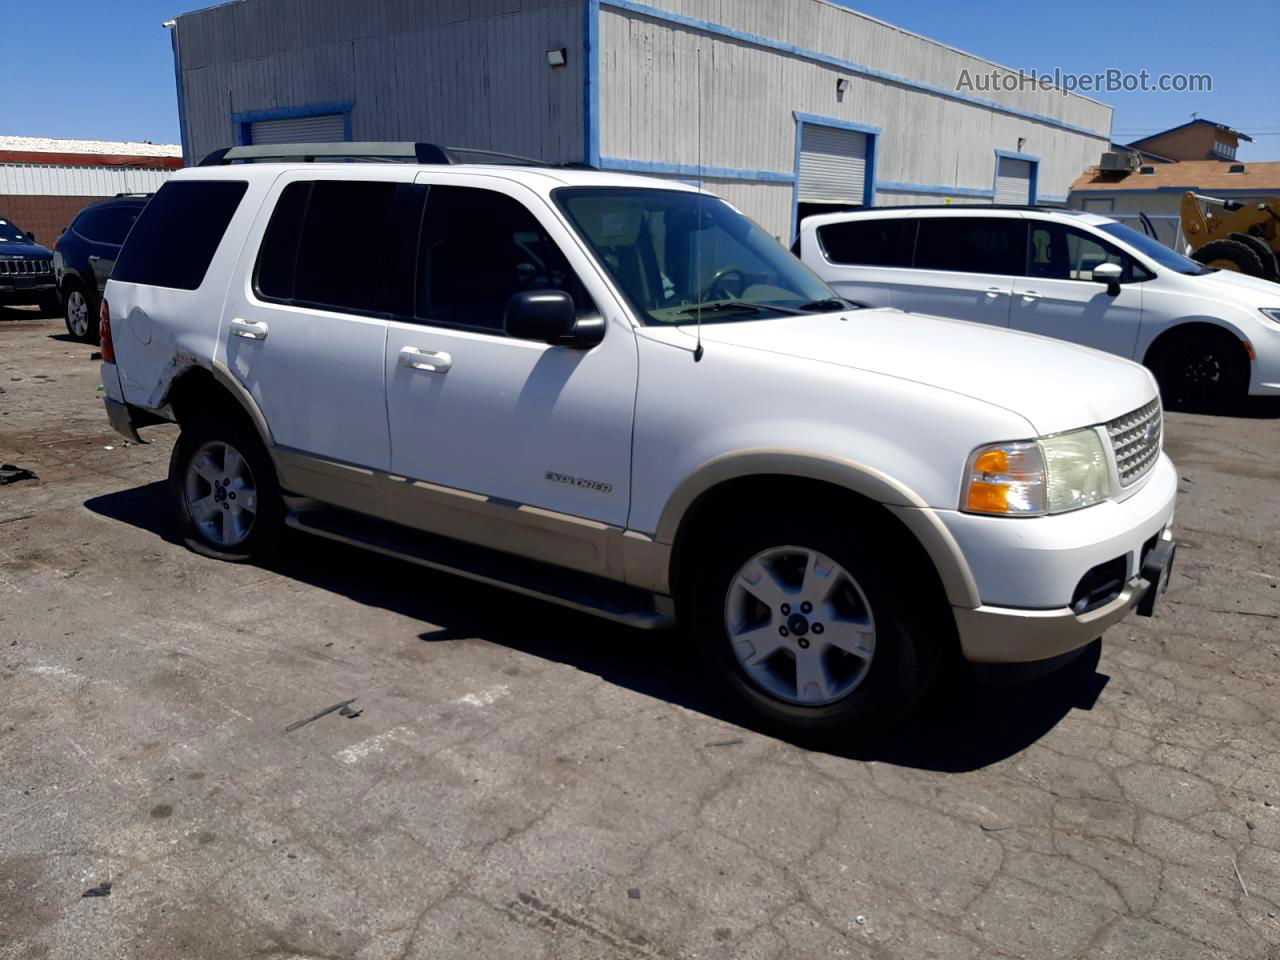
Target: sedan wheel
x,y
220,494
800,626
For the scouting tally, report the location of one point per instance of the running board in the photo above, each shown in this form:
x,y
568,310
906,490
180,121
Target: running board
x,y
543,581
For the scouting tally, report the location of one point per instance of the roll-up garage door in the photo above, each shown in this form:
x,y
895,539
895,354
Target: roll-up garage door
x,y
326,128
833,165
1013,180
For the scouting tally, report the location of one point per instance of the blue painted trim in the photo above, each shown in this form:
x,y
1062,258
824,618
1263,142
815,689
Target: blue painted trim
x,y
694,171
873,153
1050,198
821,121
848,66
898,186
1035,172
292,113
591,82
245,120
182,100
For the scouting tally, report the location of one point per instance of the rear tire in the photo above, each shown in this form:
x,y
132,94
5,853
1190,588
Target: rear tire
x,y
1201,370
780,606
78,314
1231,255
225,491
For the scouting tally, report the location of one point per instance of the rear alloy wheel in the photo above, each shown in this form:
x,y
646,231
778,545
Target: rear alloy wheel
x,y
225,491
81,323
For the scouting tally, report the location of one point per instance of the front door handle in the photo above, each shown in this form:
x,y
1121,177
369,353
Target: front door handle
x,y
250,331
993,292
426,360
94,258
1030,295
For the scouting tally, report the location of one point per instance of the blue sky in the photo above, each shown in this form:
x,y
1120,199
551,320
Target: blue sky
x,y
100,69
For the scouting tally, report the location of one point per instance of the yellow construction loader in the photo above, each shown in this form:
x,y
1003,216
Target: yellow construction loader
x,y
1244,237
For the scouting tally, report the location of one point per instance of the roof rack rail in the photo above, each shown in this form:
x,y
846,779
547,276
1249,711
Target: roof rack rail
x,y
139,193
388,151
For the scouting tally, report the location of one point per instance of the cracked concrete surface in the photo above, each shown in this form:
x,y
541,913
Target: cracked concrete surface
x,y
526,782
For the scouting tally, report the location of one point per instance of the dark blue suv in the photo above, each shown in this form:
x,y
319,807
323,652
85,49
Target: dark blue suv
x,y
26,270
84,255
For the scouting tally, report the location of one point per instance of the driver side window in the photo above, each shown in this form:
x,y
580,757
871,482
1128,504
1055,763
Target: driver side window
x,y
478,249
1057,252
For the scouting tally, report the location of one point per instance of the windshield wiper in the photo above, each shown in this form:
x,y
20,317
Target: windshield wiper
x,y
716,306
831,303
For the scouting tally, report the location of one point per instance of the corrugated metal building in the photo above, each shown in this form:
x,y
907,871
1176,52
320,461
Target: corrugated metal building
x,y
44,183
780,107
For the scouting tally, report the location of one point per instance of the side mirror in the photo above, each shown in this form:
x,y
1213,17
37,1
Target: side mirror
x,y
550,316
31,238
1109,273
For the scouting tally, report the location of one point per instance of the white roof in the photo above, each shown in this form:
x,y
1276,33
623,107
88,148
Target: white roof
x,y
128,148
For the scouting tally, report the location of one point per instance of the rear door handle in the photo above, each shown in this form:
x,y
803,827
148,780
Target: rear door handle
x,y
426,360
250,331
993,292
1030,295
94,258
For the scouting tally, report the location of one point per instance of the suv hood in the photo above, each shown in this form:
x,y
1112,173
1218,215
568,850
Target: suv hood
x,y
1055,385
27,251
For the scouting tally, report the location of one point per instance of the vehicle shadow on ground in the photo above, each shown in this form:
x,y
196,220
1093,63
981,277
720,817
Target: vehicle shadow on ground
x,y
963,725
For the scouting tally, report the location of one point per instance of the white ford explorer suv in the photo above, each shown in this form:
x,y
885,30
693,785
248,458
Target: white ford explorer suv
x,y
619,394
1211,336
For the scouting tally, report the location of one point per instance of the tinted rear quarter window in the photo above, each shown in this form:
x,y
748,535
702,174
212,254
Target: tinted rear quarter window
x,y
174,239
877,242
972,245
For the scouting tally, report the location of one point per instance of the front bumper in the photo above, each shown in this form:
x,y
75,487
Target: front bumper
x,y
21,290
1027,571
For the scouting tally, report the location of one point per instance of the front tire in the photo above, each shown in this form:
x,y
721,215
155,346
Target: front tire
x,y
225,491
815,628
1231,255
1201,370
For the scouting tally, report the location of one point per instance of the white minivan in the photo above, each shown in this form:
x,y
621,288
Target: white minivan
x,y
1210,336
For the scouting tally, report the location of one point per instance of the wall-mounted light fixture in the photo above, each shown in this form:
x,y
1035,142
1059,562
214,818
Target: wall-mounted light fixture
x,y
842,85
1021,141
557,58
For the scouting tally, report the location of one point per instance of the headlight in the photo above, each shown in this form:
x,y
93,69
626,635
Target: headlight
x,y
1271,313
1034,477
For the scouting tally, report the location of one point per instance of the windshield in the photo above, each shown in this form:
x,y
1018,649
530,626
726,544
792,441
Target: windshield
x,y
1154,249
680,256
9,232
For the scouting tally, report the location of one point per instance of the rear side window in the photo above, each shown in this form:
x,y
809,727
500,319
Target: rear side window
x,y
174,239
878,242
972,245
342,244
107,224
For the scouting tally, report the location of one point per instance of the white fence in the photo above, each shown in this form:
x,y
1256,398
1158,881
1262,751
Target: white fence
x,y
56,180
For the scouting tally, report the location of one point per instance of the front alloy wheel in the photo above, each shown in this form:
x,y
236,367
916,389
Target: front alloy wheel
x,y
800,626
220,494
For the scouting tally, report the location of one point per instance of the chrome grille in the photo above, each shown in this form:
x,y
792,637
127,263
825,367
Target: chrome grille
x,y
13,267
1136,438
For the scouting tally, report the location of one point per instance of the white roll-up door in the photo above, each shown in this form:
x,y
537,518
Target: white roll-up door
x,y
1013,180
833,165
326,128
